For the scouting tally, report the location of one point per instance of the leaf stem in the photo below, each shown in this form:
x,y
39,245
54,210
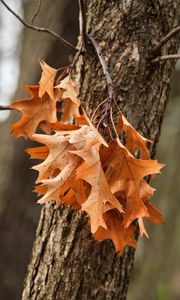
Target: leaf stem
x,y
104,66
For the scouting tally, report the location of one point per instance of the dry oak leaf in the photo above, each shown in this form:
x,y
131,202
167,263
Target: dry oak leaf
x,y
120,236
58,186
62,159
38,152
146,192
69,90
59,126
71,110
70,98
155,217
94,135
134,141
46,83
124,174
100,197
42,152
35,111
76,195
59,146
57,158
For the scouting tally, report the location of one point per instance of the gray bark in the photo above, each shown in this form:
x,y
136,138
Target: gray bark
x,y
66,263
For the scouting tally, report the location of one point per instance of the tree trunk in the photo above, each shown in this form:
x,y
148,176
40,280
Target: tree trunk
x,y
66,263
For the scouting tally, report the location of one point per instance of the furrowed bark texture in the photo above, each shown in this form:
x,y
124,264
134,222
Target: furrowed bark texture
x,y
66,263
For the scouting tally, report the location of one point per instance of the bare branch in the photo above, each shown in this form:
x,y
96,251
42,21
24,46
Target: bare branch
x,y
36,11
82,21
40,29
5,108
104,66
82,32
165,57
166,38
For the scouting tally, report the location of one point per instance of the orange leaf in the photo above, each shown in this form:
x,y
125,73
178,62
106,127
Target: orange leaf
x,y
120,236
46,84
155,217
34,111
58,126
124,174
58,153
69,90
91,171
60,158
70,98
94,136
59,185
71,110
134,140
38,152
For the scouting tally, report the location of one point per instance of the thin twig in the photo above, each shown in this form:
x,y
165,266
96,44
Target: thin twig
x,y
109,131
104,66
36,11
165,57
41,29
112,121
93,115
5,108
65,69
75,59
166,38
82,21
82,31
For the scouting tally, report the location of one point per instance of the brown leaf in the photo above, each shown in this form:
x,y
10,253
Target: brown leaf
x,y
46,84
69,90
120,236
124,174
38,152
91,171
57,158
34,111
59,146
70,98
155,217
60,159
94,135
59,185
134,141
71,110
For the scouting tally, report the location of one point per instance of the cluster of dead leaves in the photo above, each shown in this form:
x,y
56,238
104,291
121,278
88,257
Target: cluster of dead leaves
x,y
80,169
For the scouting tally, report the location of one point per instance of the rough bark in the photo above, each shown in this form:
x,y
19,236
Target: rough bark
x,y
66,263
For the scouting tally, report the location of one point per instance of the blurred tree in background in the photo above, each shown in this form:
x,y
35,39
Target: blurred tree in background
x,y
157,263
19,214
156,274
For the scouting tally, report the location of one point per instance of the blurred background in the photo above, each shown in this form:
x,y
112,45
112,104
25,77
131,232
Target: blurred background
x,y
157,263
